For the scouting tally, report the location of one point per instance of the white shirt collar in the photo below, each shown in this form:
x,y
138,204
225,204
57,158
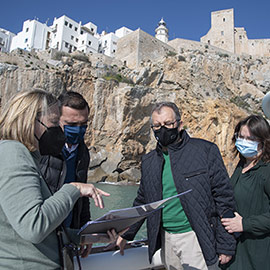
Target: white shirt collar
x,y
72,148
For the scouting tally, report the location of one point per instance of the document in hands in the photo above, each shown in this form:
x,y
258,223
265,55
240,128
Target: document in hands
x,y
121,219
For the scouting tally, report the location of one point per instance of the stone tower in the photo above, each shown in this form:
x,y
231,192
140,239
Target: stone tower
x,y
162,32
221,33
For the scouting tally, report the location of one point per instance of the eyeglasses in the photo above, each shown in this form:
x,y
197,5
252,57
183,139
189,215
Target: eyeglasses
x,y
166,124
250,138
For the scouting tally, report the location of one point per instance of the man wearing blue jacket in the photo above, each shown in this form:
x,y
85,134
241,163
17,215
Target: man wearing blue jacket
x,y
188,230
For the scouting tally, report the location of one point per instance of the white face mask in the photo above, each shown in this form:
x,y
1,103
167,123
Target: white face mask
x,y
247,148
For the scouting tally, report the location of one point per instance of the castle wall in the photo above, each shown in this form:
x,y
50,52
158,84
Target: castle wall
x,y
221,33
224,35
180,44
254,47
151,48
127,49
140,47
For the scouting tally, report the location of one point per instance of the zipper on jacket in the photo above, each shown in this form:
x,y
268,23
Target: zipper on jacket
x,y
194,174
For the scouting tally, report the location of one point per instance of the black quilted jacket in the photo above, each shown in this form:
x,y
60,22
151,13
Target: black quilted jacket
x,y
53,170
196,164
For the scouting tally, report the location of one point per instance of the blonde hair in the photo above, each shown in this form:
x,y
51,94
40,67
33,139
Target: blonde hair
x,y
17,120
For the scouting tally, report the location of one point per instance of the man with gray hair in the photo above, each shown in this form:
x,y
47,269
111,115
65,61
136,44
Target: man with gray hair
x,y
188,230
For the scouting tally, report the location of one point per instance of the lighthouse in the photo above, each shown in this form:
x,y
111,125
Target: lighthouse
x,y
162,32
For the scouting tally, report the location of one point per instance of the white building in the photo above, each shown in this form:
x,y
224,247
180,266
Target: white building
x,y
35,35
5,40
162,32
68,36
123,31
108,42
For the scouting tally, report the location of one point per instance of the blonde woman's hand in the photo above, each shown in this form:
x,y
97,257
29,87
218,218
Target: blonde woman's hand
x,y
89,190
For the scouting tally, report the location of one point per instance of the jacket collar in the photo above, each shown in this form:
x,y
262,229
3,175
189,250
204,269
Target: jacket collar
x,y
239,168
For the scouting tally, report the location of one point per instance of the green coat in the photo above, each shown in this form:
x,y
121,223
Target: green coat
x,y
29,214
252,195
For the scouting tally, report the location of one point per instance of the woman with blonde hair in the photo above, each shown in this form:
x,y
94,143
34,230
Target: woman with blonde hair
x,y
29,214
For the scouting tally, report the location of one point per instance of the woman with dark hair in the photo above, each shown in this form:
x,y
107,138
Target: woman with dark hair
x,y
251,183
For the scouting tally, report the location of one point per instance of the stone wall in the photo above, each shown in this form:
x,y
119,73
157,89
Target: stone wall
x,y
221,33
139,47
224,35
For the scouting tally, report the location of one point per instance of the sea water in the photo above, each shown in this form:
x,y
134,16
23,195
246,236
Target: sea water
x,y
121,196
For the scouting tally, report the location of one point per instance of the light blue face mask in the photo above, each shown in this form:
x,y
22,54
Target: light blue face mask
x,y
247,148
74,134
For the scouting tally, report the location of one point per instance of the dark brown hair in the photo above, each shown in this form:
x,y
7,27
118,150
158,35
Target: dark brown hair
x,y
73,100
260,129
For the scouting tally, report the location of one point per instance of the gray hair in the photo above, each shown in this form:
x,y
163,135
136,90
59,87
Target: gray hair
x,y
158,106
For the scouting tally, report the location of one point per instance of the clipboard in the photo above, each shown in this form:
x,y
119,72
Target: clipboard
x,y
121,219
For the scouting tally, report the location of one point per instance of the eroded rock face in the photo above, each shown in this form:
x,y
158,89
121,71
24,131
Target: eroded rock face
x,y
213,91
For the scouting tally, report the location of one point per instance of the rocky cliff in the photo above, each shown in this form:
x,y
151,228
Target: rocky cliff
x,y
213,89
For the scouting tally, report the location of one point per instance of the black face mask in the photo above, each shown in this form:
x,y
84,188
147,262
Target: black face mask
x,y
166,136
51,141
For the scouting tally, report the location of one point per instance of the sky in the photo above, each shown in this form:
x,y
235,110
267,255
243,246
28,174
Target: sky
x,y
189,19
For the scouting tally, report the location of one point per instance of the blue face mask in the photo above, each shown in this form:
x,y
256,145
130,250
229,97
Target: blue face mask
x,y
247,148
74,134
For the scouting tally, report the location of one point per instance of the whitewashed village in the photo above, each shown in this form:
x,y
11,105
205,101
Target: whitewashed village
x,y
215,81
69,36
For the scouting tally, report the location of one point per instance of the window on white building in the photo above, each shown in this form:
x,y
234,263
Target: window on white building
x,y
208,41
92,29
224,19
82,41
75,48
114,43
70,25
25,41
76,39
66,44
76,28
27,29
66,23
81,32
89,43
72,37
222,42
113,51
82,50
222,33
240,37
105,42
